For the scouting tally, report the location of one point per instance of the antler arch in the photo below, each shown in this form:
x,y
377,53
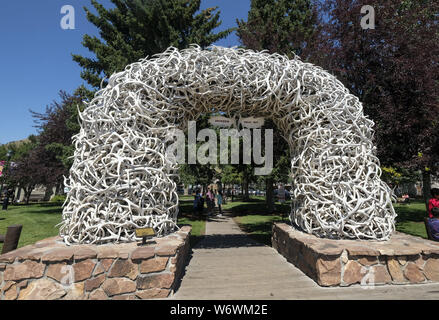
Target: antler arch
x,y
121,180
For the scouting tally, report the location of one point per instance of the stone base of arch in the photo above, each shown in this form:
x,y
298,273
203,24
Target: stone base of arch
x,y
403,259
51,270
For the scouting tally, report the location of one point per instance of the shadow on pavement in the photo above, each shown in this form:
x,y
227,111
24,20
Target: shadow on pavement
x,y
221,241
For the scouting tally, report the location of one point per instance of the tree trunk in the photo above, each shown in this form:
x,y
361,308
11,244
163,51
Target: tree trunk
x,y
426,186
48,193
269,194
59,189
13,194
244,188
27,193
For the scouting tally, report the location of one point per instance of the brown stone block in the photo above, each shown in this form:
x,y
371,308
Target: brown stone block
x,y
395,270
186,229
164,280
106,264
166,250
8,257
35,255
107,252
367,260
83,253
83,270
49,242
387,251
25,270
117,286
142,253
153,293
326,248
3,266
362,251
413,273
282,227
75,292
11,293
381,275
328,271
310,257
92,284
58,271
183,235
153,265
23,251
408,250
123,255
431,250
58,255
431,269
311,272
7,285
42,289
353,273
98,294
124,268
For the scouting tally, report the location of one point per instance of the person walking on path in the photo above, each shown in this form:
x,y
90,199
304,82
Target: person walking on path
x,y
219,199
210,201
433,223
281,194
6,200
198,203
434,201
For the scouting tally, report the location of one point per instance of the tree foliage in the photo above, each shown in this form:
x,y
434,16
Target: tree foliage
x,y
281,26
135,29
57,125
394,70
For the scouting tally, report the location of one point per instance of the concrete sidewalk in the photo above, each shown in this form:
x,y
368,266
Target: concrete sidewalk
x,y
226,264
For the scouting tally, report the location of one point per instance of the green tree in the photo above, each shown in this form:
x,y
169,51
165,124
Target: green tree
x,y
393,69
27,168
282,26
135,29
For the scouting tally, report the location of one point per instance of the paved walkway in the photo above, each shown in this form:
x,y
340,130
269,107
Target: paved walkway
x,y
228,265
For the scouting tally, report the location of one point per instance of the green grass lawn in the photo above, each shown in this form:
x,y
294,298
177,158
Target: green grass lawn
x,y
187,216
411,218
258,225
38,220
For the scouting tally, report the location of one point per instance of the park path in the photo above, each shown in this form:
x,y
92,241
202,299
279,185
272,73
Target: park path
x,y
227,264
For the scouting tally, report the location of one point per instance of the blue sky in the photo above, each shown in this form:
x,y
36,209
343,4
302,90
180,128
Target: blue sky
x,y
35,55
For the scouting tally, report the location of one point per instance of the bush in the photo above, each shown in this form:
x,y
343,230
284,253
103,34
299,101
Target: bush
x,y
58,198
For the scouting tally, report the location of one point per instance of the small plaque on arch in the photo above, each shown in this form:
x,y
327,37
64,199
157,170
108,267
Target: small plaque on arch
x,y
145,233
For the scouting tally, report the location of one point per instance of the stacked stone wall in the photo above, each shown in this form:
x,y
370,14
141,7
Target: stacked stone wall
x,y
50,270
403,259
